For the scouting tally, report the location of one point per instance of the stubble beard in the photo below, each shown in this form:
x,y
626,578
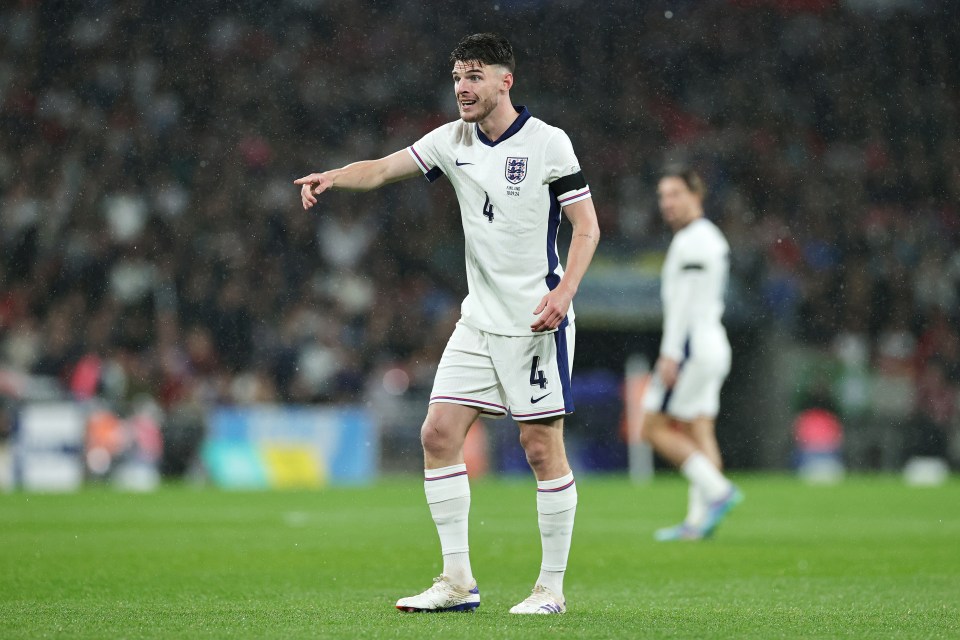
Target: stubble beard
x,y
482,109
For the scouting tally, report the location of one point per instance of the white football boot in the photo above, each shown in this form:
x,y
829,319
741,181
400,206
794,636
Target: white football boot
x,y
541,601
442,596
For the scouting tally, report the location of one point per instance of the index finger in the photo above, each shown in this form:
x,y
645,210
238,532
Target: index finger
x,y
306,179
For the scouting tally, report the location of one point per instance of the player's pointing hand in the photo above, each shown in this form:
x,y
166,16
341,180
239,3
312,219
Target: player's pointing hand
x,y
312,185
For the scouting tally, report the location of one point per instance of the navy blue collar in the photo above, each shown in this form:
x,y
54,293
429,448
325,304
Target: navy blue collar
x,y
522,116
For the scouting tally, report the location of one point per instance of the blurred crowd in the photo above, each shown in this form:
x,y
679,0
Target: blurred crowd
x,y
152,241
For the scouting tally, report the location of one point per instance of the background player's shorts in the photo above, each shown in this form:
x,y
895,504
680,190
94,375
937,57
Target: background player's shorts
x,y
526,375
697,391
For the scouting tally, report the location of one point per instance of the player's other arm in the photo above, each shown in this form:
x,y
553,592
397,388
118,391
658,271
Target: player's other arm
x,y
678,313
359,176
583,243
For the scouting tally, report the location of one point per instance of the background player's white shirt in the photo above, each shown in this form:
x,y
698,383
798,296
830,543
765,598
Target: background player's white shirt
x,y
694,281
511,192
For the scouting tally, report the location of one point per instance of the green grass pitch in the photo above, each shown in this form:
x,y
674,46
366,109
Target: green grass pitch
x,y
869,558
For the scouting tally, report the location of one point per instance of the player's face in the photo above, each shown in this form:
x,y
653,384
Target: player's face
x,y
477,87
678,205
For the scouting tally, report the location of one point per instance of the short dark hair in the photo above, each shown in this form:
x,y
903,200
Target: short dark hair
x,y
487,48
690,178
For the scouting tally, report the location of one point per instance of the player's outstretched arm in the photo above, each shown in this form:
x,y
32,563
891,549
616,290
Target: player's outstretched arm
x,y
359,176
586,235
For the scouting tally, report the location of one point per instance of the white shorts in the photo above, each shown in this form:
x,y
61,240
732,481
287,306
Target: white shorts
x,y
529,376
697,391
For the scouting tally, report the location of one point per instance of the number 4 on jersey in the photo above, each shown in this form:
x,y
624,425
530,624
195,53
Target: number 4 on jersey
x,y
488,209
536,375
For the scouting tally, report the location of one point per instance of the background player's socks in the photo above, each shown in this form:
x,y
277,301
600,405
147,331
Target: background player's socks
x,y
700,471
696,506
448,494
556,508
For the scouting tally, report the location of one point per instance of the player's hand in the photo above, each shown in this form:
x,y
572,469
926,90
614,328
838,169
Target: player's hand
x,y
313,185
552,309
668,369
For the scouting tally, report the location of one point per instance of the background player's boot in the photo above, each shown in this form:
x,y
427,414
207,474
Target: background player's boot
x,y
541,601
682,531
442,596
719,509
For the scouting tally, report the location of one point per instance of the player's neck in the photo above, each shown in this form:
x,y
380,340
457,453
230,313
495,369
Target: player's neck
x,y
499,120
697,216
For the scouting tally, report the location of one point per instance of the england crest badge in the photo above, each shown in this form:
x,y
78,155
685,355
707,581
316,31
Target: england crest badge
x,y
516,170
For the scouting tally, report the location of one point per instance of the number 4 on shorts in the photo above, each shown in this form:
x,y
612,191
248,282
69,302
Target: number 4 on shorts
x,y
536,375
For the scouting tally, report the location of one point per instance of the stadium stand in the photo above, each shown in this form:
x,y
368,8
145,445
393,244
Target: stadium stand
x,y
153,245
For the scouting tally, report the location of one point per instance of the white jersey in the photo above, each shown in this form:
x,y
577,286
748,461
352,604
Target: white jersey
x,y
694,282
511,192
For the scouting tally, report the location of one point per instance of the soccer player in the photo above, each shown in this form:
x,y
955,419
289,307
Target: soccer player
x,y
512,349
683,398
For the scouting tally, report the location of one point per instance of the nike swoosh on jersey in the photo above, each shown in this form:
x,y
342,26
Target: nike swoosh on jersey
x,y
460,164
536,400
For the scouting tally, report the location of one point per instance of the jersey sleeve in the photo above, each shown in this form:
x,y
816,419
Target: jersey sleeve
x,y
563,173
427,152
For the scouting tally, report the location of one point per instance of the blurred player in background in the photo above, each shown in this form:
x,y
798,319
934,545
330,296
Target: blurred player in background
x,y
512,349
683,398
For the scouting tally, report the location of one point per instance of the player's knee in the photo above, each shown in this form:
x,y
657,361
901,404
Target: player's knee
x,y
537,456
537,449
434,438
653,427
648,434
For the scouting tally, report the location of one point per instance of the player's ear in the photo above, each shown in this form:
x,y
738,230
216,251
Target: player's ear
x,y
507,81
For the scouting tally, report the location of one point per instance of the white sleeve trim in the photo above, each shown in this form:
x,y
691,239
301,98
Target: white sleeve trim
x,y
416,157
574,196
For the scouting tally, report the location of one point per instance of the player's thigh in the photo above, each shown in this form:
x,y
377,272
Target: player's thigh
x,y
535,373
546,432
655,423
447,424
666,432
466,374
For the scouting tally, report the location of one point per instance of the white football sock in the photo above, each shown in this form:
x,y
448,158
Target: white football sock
x,y
556,508
696,506
448,494
700,471
456,566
